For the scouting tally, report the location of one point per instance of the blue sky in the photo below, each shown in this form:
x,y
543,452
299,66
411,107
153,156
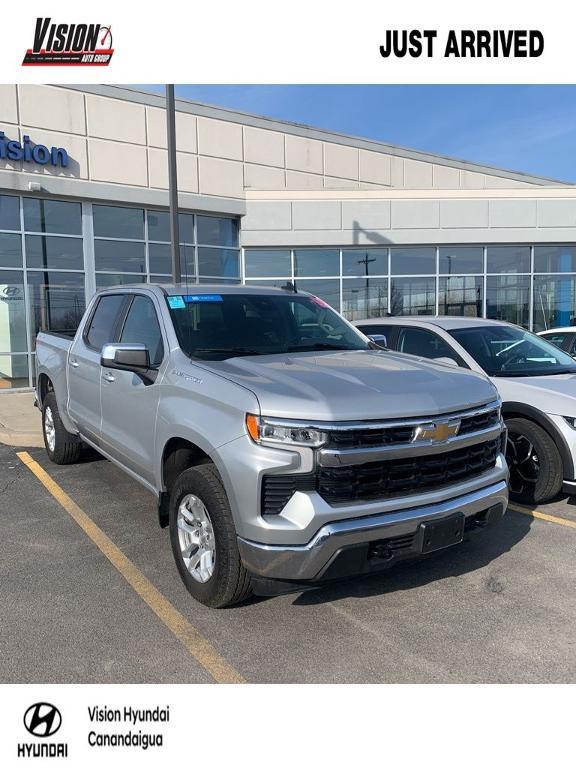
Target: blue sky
x,y
528,128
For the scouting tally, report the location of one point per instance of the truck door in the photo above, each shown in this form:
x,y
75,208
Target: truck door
x,y
129,404
84,364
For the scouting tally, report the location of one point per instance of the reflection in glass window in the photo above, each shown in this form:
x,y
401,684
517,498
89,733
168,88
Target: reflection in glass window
x,y
13,371
555,258
119,256
413,261
159,226
9,212
263,262
554,302
112,221
364,297
107,280
413,296
316,263
211,230
280,283
12,312
365,261
508,258
507,298
54,252
218,262
460,296
461,261
56,301
160,259
10,250
54,216
329,290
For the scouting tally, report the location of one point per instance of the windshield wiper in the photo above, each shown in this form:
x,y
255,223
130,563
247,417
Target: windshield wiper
x,y
228,350
318,346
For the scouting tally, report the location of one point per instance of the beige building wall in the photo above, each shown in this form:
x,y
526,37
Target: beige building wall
x,y
123,141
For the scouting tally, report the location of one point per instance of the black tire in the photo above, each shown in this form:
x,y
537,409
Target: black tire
x,y
67,447
536,470
230,582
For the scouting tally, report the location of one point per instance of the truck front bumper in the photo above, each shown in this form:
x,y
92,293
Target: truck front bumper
x,y
362,545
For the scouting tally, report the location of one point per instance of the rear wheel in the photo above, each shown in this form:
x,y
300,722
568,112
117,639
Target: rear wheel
x,y
61,446
203,539
536,470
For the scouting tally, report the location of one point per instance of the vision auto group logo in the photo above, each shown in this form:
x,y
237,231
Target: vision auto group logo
x,y
69,45
42,720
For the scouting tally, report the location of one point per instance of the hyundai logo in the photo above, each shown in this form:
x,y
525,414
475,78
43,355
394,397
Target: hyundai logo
x,y
42,719
11,290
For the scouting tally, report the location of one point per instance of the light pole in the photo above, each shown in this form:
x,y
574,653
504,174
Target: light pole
x,y
173,185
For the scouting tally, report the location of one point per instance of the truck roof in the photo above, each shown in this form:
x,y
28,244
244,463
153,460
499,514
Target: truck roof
x,y
179,289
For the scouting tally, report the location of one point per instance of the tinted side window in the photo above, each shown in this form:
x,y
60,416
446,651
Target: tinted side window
x,y
417,341
141,327
373,328
560,339
104,319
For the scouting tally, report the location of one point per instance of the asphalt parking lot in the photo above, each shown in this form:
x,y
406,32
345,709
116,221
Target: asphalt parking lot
x,y
499,608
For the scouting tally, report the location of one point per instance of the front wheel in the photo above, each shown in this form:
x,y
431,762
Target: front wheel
x,y
203,539
535,464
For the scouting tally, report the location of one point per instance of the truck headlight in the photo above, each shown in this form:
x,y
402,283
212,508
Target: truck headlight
x,y
571,420
264,430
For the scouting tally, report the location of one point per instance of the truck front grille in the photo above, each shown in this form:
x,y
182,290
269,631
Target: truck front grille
x,y
382,479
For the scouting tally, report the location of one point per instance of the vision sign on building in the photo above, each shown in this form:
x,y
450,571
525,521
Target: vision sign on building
x,y
29,152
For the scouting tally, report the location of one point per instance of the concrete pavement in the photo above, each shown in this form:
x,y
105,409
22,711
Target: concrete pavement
x,y
19,421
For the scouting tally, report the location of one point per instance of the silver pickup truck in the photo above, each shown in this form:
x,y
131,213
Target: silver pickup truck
x,y
283,446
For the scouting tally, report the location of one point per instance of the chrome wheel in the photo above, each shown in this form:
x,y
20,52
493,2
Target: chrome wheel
x,y
196,537
50,429
523,463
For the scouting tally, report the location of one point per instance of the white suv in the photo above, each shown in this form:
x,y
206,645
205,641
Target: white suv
x,y
536,381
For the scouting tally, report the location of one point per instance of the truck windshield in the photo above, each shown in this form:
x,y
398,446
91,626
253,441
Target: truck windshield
x,y
503,350
214,326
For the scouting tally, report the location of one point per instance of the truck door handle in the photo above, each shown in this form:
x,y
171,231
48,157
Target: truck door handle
x,y
74,363
108,377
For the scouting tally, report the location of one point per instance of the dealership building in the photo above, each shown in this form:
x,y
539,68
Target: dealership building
x,y
371,228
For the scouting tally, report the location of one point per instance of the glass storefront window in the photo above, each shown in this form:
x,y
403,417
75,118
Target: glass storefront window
x,y
12,312
54,216
54,252
555,258
413,296
461,261
218,262
159,226
217,231
119,256
10,250
554,302
111,221
160,259
280,283
316,263
508,258
13,371
329,290
364,297
9,212
460,296
263,262
104,280
57,301
413,261
365,261
507,298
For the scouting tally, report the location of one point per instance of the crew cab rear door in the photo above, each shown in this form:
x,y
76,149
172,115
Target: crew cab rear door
x,y
84,363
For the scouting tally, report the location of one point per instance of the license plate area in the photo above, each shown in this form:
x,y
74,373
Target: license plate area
x,y
439,534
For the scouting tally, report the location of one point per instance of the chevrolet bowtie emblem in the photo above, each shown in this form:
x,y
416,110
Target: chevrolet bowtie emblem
x,y
437,432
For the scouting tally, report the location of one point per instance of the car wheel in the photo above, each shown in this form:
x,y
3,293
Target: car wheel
x,y
536,470
61,446
203,539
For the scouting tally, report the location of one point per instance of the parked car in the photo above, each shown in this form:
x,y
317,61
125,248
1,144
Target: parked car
x,y
283,449
536,381
565,338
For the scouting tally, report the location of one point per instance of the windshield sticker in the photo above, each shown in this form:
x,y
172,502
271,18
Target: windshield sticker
x,y
176,302
198,297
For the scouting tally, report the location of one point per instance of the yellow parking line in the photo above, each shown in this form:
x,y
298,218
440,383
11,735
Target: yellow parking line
x,y
196,644
543,516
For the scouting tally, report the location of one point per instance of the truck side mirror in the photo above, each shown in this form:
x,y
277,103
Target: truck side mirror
x,y
125,357
378,339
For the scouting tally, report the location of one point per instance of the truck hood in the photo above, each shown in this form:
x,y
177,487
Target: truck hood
x,y
354,385
550,394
